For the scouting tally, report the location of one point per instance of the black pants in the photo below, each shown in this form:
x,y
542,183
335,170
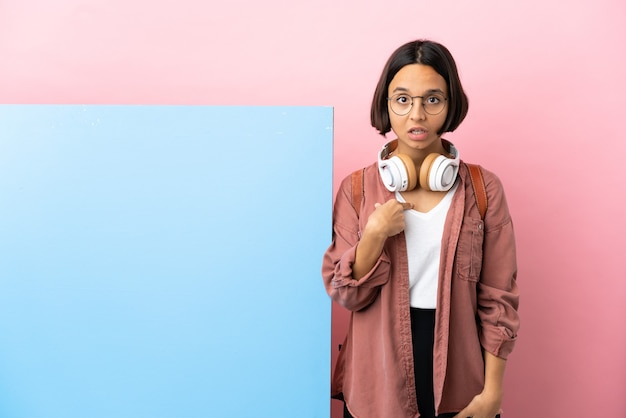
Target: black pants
x,y
423,330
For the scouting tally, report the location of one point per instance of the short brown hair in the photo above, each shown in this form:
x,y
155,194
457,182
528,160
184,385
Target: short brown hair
x,y
427,53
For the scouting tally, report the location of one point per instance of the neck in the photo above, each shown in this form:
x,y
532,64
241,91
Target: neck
x,y
419,154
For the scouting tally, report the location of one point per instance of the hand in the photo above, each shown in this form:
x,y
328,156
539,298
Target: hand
x,y
483,405
388,218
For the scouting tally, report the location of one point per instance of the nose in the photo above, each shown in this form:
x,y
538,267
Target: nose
x,y
417,111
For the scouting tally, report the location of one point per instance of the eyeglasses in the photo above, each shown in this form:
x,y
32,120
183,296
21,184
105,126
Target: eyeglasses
x,y
401,104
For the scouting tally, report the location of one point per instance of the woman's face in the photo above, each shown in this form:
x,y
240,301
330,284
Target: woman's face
x,y
417,129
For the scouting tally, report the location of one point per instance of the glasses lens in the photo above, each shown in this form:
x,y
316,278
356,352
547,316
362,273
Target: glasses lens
x,y
401,104
434,104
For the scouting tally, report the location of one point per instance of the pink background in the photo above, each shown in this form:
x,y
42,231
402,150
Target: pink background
x,y
546,81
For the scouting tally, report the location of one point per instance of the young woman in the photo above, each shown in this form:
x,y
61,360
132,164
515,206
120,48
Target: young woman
x,y
430,284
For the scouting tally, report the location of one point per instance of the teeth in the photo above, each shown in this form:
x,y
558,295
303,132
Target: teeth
x,y
417,131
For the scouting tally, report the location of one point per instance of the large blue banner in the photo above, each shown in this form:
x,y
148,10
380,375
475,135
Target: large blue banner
x,y
164,261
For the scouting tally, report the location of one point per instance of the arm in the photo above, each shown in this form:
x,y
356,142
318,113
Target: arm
x,y
497,291
494,376
498,301
355,267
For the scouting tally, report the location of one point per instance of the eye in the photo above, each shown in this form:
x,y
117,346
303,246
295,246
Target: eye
x,y
403,99
434,99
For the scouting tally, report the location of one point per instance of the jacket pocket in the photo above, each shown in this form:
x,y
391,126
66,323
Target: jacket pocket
x,y
469,254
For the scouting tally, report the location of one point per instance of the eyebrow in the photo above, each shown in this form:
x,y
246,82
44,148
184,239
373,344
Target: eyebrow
x,y
430,91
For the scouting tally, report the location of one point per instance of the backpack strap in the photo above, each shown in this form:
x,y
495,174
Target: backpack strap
x,y
358,190
478,184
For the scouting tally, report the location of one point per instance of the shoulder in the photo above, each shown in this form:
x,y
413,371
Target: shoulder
x,y
364,188
497,208
491,180
368,175
352,188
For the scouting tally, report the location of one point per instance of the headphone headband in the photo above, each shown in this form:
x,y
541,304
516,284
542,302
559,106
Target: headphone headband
x,y
388,148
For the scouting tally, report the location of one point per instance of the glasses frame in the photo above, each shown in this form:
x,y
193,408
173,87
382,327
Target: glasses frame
x,y
445,102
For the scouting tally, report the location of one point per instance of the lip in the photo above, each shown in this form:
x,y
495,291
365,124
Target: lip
x,y
420,136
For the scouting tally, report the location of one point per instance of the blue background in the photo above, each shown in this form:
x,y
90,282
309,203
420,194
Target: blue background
x,y
164,261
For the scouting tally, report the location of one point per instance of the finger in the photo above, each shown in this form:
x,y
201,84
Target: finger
x,y
407,205
377,205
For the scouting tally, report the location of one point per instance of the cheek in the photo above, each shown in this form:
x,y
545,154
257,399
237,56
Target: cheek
x,y
441,119
395,121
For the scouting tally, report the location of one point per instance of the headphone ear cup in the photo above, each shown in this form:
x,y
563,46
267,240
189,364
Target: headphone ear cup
x,y
425,170
438,173
410,171
398,173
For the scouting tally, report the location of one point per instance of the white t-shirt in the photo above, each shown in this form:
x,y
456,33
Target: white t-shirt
x,y
423,232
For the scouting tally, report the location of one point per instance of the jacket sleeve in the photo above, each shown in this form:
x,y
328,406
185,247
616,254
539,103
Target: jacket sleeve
x,y
498,293
340,256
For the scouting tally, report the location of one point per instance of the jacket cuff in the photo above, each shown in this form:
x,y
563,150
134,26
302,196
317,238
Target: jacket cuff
x,y
377,276
498,341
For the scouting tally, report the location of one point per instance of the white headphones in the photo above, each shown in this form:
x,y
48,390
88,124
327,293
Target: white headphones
x,y
437,172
